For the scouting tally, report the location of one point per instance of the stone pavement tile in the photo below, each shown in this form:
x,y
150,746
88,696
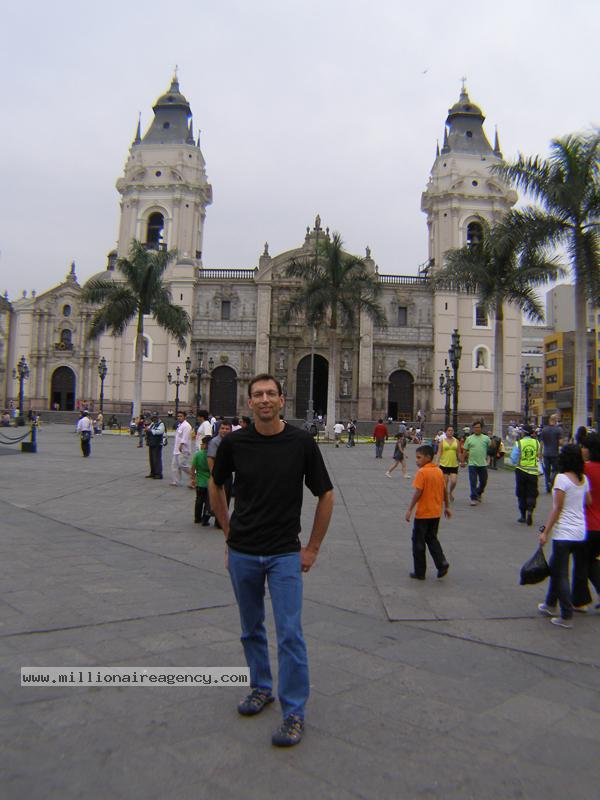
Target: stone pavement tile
x,y
571,688
521,708
330,680
579,723
352,660
396,695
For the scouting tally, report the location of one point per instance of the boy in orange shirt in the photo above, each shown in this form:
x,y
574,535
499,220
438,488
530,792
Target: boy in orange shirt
x,y
430,494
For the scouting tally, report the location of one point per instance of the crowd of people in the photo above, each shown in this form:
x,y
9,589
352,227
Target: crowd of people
x,y
261,536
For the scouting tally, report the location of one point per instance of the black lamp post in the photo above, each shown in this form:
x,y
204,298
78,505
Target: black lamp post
x,y
21,372
199,372
527,381
102,372
446,387
179,382
454,354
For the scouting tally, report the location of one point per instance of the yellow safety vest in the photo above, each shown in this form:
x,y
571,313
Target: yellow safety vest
x,y
529,450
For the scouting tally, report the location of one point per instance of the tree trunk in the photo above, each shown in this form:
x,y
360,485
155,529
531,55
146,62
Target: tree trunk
x,y
498,370
139,366
332,383
580,405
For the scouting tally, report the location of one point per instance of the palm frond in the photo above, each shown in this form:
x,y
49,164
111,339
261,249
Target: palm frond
x,y
174,319
115,314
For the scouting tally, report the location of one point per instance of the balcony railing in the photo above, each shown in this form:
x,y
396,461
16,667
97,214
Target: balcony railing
x,y
227,274
404,280
63,345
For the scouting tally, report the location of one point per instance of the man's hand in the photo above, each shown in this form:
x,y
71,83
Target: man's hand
x,y
307,558
447,513
407,515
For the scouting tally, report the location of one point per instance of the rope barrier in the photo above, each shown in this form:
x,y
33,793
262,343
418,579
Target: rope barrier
x,y
9,440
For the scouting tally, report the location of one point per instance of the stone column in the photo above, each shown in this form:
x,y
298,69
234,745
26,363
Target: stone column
x,y
263,328
365,369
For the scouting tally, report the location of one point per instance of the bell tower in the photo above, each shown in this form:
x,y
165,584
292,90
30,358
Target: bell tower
x,y
164,187
164,194
461,195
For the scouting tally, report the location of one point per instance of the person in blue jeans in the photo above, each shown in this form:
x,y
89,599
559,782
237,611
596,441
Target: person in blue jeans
x,y
475,448
271,461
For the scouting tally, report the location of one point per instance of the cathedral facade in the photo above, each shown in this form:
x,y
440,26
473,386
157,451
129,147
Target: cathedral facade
x,y
238,322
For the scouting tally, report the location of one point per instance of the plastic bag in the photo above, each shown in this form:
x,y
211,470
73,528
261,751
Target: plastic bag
x,y
535,569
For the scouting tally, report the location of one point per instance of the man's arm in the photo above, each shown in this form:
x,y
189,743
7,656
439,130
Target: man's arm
x,y
218,503
323,511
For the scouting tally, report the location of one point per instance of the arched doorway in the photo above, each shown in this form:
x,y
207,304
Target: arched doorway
x,y
401,395
62,389
223,392
320,375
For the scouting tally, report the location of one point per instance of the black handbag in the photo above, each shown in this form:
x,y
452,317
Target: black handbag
x,y
535,569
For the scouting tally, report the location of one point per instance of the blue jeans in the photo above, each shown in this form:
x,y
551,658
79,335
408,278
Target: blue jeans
x,y
478,477
284,577
379,448
550,470
559,588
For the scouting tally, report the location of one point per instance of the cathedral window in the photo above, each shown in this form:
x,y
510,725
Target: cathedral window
x,y
154,231
402,316
474,234
66,338
66,311
226,309
481,316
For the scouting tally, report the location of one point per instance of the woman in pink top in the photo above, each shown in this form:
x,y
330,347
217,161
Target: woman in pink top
x,y
581,594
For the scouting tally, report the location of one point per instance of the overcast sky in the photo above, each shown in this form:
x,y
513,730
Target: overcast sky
x,y
331,107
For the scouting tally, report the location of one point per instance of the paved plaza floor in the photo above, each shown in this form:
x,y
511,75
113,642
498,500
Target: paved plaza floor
x,y
450,688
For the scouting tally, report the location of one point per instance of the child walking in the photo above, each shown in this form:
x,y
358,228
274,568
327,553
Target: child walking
x,y
200,475
398,457
429,497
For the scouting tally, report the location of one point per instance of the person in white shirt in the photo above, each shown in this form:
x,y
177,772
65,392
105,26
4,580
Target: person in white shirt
x,y
182,449
204,427
85,430
566,523
338,429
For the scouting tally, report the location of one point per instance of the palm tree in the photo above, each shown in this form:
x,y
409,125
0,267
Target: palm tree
x,y
567,186
141,293
499,270
336,288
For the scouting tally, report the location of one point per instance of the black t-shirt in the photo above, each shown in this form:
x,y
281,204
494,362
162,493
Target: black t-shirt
x,y
269,476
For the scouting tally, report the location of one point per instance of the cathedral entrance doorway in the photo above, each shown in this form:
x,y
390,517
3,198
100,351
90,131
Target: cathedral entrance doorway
x,y
320,375
223,392
62,390
401,395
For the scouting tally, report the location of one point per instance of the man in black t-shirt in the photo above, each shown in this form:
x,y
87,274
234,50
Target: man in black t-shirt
x,y
271,462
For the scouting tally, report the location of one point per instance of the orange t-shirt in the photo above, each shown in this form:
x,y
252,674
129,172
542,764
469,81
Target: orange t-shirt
x,y
430,479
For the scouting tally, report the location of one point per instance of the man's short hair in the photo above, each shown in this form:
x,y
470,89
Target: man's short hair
x,y
226,422
184,413
477,422
203,413
425,450
206,439
264,376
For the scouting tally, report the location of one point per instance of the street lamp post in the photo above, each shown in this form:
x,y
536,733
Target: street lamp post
x,y
199,372
21,371
178,381
454,354
102,372
527,381
446,387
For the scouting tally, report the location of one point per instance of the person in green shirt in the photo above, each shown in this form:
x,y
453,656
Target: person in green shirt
x,y
476,448
200,474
